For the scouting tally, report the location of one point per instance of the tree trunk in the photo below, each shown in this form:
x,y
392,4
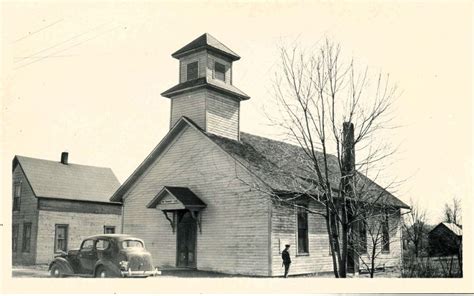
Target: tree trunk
x,y
372,260
347,174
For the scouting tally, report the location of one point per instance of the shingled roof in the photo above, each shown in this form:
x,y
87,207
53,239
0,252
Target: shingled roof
x,y
203,82
206,41
454,228
52,179
279,165
284,167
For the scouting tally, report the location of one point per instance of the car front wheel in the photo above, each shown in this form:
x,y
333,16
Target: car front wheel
x,y
56,271
102,272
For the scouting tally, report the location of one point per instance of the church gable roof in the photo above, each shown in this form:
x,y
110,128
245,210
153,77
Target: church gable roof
x,y
206,41
72,181
278,164
283,167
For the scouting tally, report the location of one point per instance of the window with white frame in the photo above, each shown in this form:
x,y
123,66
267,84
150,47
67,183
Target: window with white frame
x,y
15,234
60,238
109,229
16,196
302,224
26,242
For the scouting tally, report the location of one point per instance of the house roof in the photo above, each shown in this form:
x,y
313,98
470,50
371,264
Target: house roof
x,y
454,228
183,194
203,82
277,164
206,41
52,179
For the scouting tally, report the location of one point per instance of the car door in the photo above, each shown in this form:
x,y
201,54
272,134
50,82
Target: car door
x,y
104,249
87,256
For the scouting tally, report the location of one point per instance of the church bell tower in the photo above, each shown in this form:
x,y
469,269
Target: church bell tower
x,y
205,92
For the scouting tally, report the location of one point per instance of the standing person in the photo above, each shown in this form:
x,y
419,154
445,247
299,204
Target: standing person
x,y
285,255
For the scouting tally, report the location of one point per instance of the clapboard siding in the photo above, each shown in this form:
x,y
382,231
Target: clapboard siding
x,y
190,104
199,57
234,236
222,115
284,229
319,260
28,214
389,259
80,226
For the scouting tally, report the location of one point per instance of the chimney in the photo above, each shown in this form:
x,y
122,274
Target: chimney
x,y
64,157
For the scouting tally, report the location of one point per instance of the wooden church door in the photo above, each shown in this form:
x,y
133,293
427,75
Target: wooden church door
x,y
186,241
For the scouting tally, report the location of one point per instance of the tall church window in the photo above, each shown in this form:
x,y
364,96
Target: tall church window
x,y
363,236
219,71
192,71
385,234
302,221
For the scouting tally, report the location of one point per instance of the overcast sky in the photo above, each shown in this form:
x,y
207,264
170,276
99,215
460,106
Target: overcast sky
x,y
87,78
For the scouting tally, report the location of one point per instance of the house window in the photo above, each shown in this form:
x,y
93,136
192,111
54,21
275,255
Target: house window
x,y
109,229
219,71
16,196
302,217
15,232
60,238
385,235
192,71
26,237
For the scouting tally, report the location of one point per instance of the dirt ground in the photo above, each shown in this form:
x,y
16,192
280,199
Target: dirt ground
x,y
41,271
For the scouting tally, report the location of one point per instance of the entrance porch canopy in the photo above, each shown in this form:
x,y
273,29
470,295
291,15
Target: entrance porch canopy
x,y
177,200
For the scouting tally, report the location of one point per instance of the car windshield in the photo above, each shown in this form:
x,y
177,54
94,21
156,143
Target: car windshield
x,y
132,244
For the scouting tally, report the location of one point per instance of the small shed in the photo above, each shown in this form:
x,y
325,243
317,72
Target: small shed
x,y
445,239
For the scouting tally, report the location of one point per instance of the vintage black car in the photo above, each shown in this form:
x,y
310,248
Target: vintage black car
x,y
107,255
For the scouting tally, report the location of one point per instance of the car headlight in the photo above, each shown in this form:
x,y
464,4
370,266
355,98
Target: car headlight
x,y
123,265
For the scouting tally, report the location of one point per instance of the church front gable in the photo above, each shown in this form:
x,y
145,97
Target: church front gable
x,y
235,217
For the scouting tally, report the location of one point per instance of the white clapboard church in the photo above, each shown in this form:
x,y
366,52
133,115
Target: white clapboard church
x,y
191,198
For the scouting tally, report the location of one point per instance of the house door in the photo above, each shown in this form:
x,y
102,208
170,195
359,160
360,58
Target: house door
x,y
186,241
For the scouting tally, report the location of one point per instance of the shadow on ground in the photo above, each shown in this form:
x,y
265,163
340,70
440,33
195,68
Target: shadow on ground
x,y
41,271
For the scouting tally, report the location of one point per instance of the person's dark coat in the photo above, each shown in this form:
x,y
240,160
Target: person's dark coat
x,y
286,257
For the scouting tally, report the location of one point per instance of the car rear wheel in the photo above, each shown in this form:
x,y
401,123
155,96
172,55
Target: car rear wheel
x,y
56,271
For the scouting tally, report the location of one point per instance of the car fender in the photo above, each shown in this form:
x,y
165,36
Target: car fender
x,y
63,263
109,265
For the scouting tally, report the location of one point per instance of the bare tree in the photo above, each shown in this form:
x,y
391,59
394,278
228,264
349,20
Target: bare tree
x,y
452,211
376,235
332,110
415,228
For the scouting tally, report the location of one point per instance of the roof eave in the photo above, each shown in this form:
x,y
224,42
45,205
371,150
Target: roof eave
x,y
82,200
170,94
178,54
